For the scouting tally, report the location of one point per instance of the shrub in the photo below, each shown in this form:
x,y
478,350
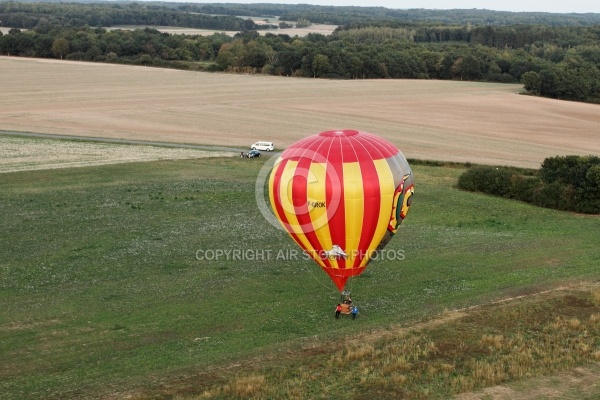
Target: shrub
x,y
490,180
579,178
522,187
570,183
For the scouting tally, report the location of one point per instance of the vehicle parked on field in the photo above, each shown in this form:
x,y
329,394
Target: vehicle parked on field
x,y
266,146
253,154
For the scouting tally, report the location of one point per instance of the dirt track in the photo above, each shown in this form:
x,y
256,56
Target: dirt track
x,y
426,119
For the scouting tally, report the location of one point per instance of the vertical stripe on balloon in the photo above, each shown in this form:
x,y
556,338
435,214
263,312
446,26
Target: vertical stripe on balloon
x,y
334,194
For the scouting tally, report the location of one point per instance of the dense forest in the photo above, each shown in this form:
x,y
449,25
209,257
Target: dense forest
x,y
553,55
40,15
341,15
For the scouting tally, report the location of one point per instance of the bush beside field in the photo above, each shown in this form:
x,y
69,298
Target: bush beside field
x,y
570,183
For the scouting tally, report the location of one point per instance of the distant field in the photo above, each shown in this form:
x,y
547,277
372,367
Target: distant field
x,y
300,32
444,120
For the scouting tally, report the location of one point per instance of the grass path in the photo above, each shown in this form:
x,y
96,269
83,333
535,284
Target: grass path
x,y
579,383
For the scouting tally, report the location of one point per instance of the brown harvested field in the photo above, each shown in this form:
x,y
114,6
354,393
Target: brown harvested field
x,y
441,120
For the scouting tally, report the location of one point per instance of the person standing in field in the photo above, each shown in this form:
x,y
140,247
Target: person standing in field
x,y
338,310
354,312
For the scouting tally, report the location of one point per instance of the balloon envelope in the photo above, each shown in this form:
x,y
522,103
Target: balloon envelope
x,y
341,195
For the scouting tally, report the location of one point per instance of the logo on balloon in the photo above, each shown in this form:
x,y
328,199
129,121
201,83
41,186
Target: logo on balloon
x,y
401,204
315,204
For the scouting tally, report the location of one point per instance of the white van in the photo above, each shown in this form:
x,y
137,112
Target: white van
x,y
268,146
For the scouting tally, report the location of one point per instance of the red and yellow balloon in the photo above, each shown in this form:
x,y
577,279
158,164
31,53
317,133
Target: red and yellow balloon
x,y
341,195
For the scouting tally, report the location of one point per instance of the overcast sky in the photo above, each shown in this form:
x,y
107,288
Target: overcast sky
x,y
555,6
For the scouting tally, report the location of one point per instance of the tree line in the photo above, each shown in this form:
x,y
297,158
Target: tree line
x,y
44,15
343,15
561,61
569,183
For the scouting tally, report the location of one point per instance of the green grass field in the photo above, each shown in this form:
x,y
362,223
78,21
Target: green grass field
x,y
101,291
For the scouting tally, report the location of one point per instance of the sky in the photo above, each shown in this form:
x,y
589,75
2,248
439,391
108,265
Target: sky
x,y
553,6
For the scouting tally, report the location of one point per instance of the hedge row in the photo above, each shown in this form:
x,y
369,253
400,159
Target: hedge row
x,y
570,183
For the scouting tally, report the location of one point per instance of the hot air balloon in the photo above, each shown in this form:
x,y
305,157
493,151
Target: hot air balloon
x,y
341,195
